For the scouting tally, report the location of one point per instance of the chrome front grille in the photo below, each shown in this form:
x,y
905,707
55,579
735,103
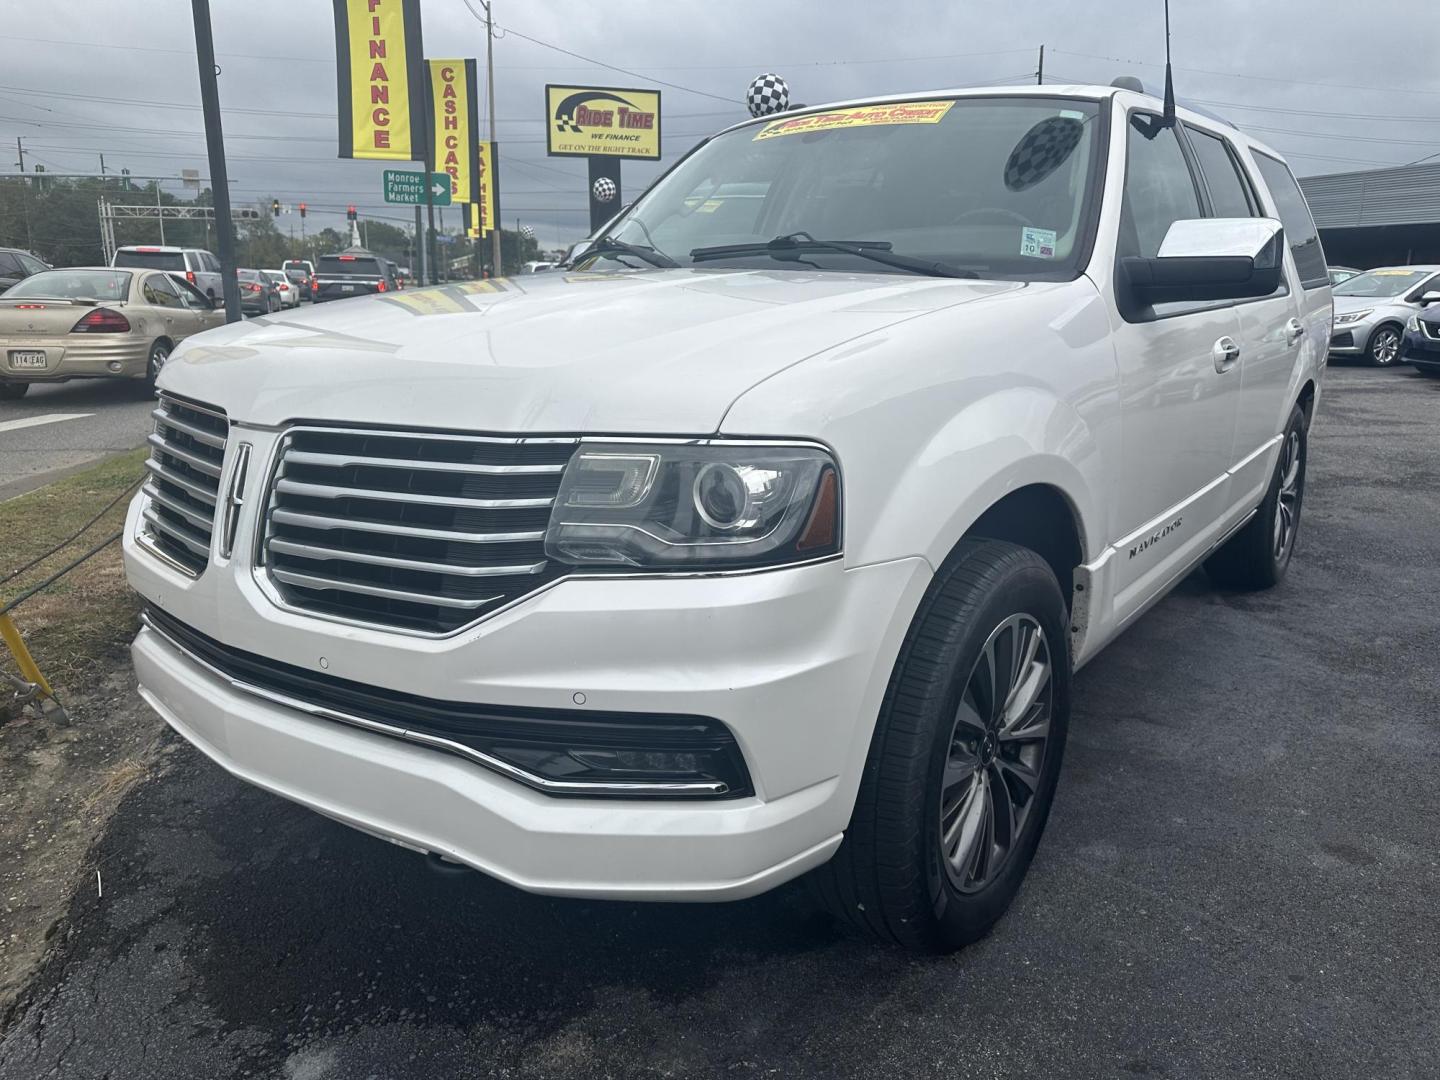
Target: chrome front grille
x,y
187,449
424,532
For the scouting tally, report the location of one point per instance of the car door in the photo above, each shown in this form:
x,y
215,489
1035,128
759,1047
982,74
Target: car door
x,y
1179,390
1280,335
160,293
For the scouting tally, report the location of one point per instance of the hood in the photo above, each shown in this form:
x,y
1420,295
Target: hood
x,y
1364,303
654,352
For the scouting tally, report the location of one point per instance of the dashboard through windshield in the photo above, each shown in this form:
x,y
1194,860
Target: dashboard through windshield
x,y
993,187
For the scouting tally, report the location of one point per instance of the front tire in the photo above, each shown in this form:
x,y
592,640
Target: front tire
x,y
159,353
1259,554
1384,347
965,757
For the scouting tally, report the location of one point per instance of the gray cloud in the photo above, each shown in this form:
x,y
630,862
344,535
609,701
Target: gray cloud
x,y
1240,57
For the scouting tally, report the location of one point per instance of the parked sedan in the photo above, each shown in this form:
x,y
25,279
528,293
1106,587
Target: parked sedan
x,y
289,292
1371,310
95,322
258,294
1422,342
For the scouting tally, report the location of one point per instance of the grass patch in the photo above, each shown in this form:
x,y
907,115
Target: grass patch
x,y
79,627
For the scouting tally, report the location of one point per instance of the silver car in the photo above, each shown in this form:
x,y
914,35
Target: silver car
x,y
1371,310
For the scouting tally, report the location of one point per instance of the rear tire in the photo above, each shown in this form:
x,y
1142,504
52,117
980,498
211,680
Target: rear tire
x,y
13,391
1259,554
1384,347
959,780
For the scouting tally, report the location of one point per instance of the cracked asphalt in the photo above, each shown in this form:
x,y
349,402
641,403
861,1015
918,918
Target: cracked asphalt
x,y
1240,879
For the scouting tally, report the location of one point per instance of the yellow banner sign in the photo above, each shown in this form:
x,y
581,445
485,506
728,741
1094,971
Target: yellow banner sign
x,y
608,121
905,112
485,163
380,79
453,103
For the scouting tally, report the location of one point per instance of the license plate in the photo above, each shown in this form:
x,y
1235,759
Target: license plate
x,y
347,288
20,359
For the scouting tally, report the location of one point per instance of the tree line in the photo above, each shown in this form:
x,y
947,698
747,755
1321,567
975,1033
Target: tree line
x,y
58,220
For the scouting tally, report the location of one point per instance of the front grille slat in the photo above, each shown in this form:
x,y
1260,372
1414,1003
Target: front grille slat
x,y
187,452
418,531
326,491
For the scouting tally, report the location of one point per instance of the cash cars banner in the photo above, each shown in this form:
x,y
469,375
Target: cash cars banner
x,y
454,105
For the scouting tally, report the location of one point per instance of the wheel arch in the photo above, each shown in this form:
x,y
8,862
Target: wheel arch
x,y
1042,518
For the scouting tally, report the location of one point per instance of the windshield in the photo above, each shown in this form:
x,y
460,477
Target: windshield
x,y
74,285
349,264
998,186
150,260
1382,282
247,275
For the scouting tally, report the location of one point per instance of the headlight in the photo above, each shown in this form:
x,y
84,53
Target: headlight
x,y
677,506
1352,316
1414,324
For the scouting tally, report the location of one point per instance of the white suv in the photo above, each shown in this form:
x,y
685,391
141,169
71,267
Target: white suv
x,y
195,265
768,541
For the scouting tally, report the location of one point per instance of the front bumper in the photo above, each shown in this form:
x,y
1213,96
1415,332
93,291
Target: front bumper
x,y
1350,339
78,356
794,662
1421,350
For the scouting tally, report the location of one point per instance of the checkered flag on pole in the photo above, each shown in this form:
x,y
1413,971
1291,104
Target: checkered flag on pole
x,y
768,94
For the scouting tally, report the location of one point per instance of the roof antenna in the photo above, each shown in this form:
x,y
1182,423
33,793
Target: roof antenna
x,y
1169,83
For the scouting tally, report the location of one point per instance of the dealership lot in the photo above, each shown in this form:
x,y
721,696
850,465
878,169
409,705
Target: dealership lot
x,y
1239,879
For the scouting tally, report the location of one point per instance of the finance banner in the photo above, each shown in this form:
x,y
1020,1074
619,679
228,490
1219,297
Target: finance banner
x,y
602,120
454,106
380,79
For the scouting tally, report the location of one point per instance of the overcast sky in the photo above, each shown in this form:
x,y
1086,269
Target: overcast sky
x,y
1317,79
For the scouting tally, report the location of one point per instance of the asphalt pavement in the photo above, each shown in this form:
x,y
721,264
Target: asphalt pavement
x,y
58,427
1239,880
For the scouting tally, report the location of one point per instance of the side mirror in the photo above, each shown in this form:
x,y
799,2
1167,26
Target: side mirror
x,y
1431,297
1209,259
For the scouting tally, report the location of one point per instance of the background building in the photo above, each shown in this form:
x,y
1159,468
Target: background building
x,y
1379,217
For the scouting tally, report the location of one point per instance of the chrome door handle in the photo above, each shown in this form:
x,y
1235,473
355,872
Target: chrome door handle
x,y
1225,353
1294,330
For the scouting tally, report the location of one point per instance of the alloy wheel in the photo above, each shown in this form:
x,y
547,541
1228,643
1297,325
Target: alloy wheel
x,y
1386,347
996,754
1287,507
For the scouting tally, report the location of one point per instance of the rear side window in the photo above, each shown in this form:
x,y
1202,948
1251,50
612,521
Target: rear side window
x,y
1159,189
1294,213
151,260
1230,195
9,264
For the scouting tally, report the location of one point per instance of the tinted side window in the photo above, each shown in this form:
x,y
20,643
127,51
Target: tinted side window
x,y
10,265
1294,213
1159,189
159,291
1229,192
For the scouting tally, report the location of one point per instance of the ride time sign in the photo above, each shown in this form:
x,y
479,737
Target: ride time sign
x,y
408,188
606,121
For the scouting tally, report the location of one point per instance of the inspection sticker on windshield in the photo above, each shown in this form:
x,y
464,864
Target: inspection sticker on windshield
x,y
904,112
1037,243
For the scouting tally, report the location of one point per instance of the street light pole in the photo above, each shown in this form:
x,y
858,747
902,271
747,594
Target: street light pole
x,y
215,145
497,268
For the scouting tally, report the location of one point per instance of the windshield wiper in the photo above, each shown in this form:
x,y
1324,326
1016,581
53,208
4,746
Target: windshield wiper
x,y
608,245
789,248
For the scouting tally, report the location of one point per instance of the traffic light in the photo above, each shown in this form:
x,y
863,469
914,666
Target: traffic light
x,y
350,214
302,209
275,207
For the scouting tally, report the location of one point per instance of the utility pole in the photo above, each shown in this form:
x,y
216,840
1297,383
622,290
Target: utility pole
x,y
215,144
160,213
496,268
1040,72
25,197
20,147
102,166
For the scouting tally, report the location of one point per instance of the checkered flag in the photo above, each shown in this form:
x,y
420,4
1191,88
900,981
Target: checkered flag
x,y
564,124
768,94
1043,150
604,189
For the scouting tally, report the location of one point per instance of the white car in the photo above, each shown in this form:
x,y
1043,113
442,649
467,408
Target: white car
x,y
1372,309
289,289
198,267
748,554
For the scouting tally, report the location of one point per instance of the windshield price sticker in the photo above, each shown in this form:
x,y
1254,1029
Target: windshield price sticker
x,y
1037,243
905,112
